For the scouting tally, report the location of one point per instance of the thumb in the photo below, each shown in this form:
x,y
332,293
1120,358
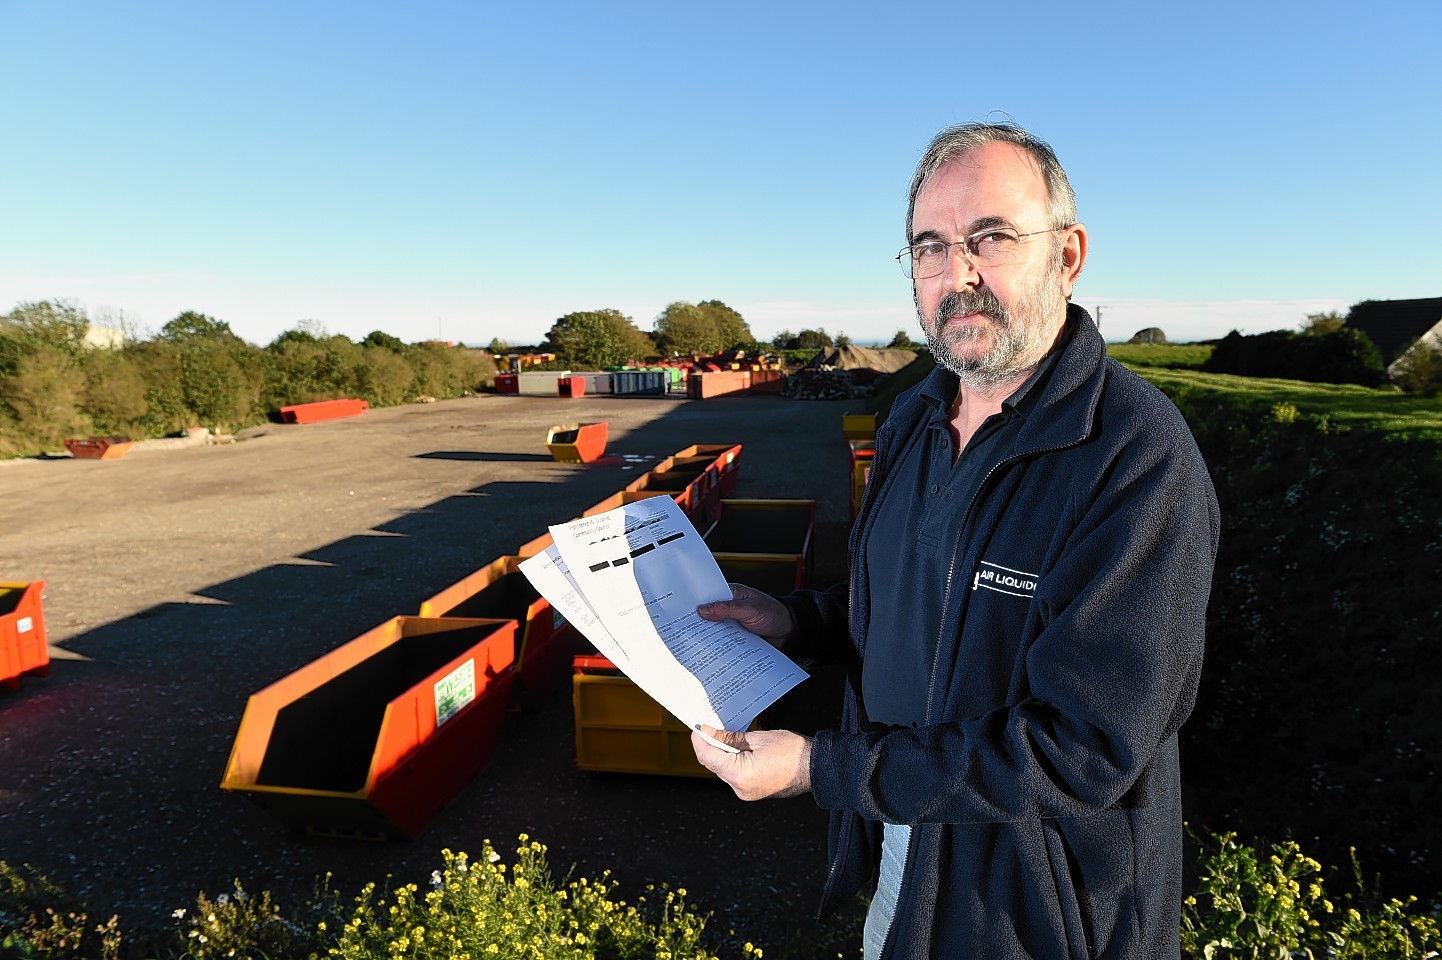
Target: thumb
x,y
732,738
716,610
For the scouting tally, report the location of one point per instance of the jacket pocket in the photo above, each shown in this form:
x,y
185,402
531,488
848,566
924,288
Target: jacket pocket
x,y
1093,864
1064,878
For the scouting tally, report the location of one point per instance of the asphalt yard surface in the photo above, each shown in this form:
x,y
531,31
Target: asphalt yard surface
x,y
181,580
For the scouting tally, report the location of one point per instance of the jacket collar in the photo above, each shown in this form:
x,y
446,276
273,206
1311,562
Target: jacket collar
x,y
1066,407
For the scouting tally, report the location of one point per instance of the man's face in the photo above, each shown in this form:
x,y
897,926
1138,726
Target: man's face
x,y
989,324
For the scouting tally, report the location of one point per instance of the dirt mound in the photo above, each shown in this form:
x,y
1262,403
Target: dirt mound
x,y
880,359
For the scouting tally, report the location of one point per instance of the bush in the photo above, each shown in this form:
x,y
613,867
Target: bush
x,y
44,395
1316,699
1342,356
383,377
301,369
114,395
219,384
442,371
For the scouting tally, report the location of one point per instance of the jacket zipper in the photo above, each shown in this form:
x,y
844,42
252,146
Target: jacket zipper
x,y
951,568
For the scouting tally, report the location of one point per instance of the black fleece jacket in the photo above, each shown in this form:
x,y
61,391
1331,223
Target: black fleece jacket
x,y
1043,787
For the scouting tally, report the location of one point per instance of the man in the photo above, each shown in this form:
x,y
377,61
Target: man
x,y
1023,622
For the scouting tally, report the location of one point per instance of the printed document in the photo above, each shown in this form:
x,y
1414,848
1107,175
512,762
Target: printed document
x,y
629,580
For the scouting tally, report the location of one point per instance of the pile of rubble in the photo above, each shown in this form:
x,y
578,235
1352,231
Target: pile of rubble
x,y
824,382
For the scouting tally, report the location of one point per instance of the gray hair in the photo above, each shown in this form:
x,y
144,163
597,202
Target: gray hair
x,y
954,142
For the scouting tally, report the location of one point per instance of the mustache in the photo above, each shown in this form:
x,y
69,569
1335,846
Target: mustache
x,y
974,301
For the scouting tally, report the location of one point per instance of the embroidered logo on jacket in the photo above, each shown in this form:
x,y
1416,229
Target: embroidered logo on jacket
x,y
993,576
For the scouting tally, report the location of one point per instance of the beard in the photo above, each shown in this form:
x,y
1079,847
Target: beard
x,y
1020,336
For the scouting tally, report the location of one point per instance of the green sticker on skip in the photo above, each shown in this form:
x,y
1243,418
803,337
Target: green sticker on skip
x,y
455,690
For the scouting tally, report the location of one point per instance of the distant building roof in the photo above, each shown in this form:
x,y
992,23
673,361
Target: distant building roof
x,y
1431,340
104,337
1393,324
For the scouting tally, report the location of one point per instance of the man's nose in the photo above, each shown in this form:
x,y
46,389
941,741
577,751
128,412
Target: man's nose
x,y
960,270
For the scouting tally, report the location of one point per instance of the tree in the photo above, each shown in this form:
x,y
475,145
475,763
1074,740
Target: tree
x,y
731,327
842,340
379,338
809,340
499,347
1319,324
290,336
217,376
597,339
683,328
902,341
191,325
58,325
706,327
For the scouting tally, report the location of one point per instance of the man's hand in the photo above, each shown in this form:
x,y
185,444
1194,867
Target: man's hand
x,y
758,612
772,763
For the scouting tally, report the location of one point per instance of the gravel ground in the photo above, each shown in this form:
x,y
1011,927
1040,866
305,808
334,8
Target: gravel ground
x,y
182,578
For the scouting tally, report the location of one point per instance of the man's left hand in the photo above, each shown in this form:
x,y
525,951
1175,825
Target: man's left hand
x,y
772,763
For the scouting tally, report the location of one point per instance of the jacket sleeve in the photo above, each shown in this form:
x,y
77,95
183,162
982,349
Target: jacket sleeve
x,y
1108,677
821,631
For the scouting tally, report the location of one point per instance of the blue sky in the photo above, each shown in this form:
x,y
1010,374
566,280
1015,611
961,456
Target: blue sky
x,y
476,170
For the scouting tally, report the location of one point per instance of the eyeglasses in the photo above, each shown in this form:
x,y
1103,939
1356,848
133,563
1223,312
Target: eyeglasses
x,y
991,247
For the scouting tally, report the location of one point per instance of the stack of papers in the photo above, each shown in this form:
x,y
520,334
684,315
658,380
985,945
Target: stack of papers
x,y
630,580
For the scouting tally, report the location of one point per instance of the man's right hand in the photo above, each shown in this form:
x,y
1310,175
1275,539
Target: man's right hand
x,y
758,612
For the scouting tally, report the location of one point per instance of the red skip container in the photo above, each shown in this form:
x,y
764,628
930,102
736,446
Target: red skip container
x,y
23,651
374,738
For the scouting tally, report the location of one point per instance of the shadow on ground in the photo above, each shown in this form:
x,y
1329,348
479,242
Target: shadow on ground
x,y
129,814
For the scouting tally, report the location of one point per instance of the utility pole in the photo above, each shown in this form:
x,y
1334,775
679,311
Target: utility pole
x,y
1100,307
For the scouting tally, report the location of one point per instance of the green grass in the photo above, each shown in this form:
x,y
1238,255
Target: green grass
x,y
1171,366
1344,405
1170,355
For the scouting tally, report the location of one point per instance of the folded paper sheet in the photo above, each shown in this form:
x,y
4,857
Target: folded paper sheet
x,y
630,580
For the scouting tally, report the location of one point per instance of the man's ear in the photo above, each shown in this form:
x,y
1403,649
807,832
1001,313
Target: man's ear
x,y
1073,257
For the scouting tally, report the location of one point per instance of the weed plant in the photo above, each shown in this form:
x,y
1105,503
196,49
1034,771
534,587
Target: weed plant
x,y
472,909
1258,903
1250,902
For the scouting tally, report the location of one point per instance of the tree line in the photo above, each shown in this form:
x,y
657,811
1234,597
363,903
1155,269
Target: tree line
x,y
1325,350
196,372
598,339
